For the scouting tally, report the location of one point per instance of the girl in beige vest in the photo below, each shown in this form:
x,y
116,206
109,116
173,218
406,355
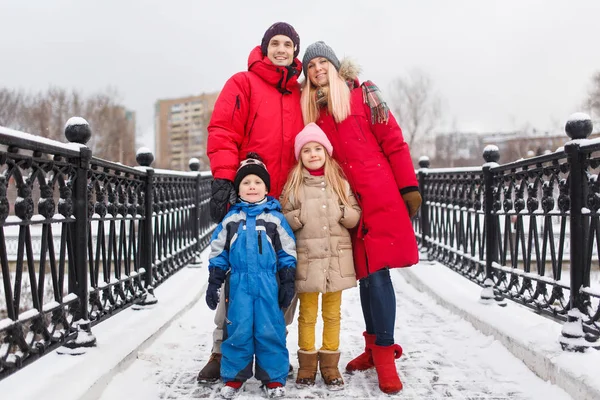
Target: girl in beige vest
x,y
320,207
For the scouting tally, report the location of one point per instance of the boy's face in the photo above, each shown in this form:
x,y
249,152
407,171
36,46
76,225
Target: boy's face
x,y
252,189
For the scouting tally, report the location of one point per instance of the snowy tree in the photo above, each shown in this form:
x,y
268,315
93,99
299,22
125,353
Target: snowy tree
x,y
44,113
592,103
416,105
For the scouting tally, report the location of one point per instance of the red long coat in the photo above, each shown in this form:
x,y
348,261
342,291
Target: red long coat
x,y
258,110
377,163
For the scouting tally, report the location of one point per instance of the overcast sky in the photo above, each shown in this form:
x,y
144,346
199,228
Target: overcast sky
x,y
496,64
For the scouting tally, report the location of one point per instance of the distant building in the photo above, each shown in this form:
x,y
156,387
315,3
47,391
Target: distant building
x,y
462,149
127,144
180,130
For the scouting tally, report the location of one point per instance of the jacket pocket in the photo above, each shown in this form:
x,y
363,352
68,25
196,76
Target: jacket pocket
x,y
346,260
302,265
357,119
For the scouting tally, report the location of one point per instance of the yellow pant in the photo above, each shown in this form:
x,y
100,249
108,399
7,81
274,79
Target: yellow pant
x,y
330,311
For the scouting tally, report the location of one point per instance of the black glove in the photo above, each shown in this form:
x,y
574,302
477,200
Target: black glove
x,y
287,286
223,192
216,277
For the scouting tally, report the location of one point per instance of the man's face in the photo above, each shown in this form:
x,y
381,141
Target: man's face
x,y
281,50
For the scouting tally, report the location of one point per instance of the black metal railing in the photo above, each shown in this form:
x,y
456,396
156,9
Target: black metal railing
x,y
84,238
527,231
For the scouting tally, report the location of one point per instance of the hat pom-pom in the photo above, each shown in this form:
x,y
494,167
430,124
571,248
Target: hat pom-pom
x,y
254,156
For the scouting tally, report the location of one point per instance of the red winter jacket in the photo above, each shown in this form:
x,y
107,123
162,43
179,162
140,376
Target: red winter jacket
x,y
377,163
258,110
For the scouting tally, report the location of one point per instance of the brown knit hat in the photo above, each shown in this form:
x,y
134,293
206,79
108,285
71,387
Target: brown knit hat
x,y
280,28
253,164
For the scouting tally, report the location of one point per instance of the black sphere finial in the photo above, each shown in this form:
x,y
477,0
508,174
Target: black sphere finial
x,y
579,126
77,130
194,164
491,153
144,157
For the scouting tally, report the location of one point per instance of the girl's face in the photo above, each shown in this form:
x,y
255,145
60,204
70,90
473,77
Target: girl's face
x,y
252,189
317,71
313,155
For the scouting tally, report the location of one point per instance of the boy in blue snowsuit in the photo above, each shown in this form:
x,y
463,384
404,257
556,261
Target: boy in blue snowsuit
x,y
256,245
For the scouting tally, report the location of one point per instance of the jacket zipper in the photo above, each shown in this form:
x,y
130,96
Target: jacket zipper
x,y
250,130
259,243
236,107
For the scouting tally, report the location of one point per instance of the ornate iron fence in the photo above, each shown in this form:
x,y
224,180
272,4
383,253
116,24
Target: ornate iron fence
x,y
92,237
515,229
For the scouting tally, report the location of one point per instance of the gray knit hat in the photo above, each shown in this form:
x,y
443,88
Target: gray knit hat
x,y
319,49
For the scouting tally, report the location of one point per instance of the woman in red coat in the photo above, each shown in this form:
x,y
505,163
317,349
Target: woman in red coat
x,y
370,148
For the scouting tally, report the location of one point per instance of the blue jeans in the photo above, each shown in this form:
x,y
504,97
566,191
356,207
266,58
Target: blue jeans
x,y
378,302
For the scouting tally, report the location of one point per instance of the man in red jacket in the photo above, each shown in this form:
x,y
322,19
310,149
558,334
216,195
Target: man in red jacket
x,y
257,111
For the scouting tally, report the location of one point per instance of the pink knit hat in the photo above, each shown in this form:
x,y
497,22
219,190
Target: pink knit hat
x,y
312,133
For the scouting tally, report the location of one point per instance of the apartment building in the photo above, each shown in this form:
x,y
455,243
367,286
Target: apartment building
x,y
180,130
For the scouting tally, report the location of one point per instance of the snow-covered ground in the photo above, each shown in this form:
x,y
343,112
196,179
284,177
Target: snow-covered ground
x,y
444,356
156,353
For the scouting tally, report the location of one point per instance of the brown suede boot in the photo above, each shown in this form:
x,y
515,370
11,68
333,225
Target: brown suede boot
x,y
212,370
307,371
328,364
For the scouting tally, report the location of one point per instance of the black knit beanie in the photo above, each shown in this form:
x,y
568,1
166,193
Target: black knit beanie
x,y
253,164
319,49
280,28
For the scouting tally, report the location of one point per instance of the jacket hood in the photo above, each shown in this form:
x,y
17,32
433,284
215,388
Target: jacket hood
x,y
283,78
349,69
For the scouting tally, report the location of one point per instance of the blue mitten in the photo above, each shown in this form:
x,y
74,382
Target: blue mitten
x,y
287,286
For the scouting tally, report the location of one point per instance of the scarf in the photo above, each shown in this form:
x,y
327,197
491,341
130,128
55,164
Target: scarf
x,y
380,112
317,172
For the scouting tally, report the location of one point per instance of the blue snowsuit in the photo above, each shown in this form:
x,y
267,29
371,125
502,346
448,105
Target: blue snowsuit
x,y
254,241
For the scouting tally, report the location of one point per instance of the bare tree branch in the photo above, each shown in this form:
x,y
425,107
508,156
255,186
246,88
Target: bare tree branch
x,y
44,113
416,106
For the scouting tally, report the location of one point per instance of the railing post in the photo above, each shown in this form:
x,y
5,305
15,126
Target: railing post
x,y
77,130
573,337
491,155
144,158
424,214
196,223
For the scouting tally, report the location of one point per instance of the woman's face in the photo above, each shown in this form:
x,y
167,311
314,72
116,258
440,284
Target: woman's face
x,y
317,71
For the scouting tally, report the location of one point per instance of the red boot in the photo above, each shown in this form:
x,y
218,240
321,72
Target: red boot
x,y
364,361
385,364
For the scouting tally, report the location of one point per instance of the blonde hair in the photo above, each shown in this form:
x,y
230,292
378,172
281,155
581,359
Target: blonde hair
x,y
338,98
334,177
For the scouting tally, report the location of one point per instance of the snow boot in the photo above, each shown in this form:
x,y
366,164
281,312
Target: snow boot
x,y
307,370
364,361
328,364
231,389
274,390
385,364
212,370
